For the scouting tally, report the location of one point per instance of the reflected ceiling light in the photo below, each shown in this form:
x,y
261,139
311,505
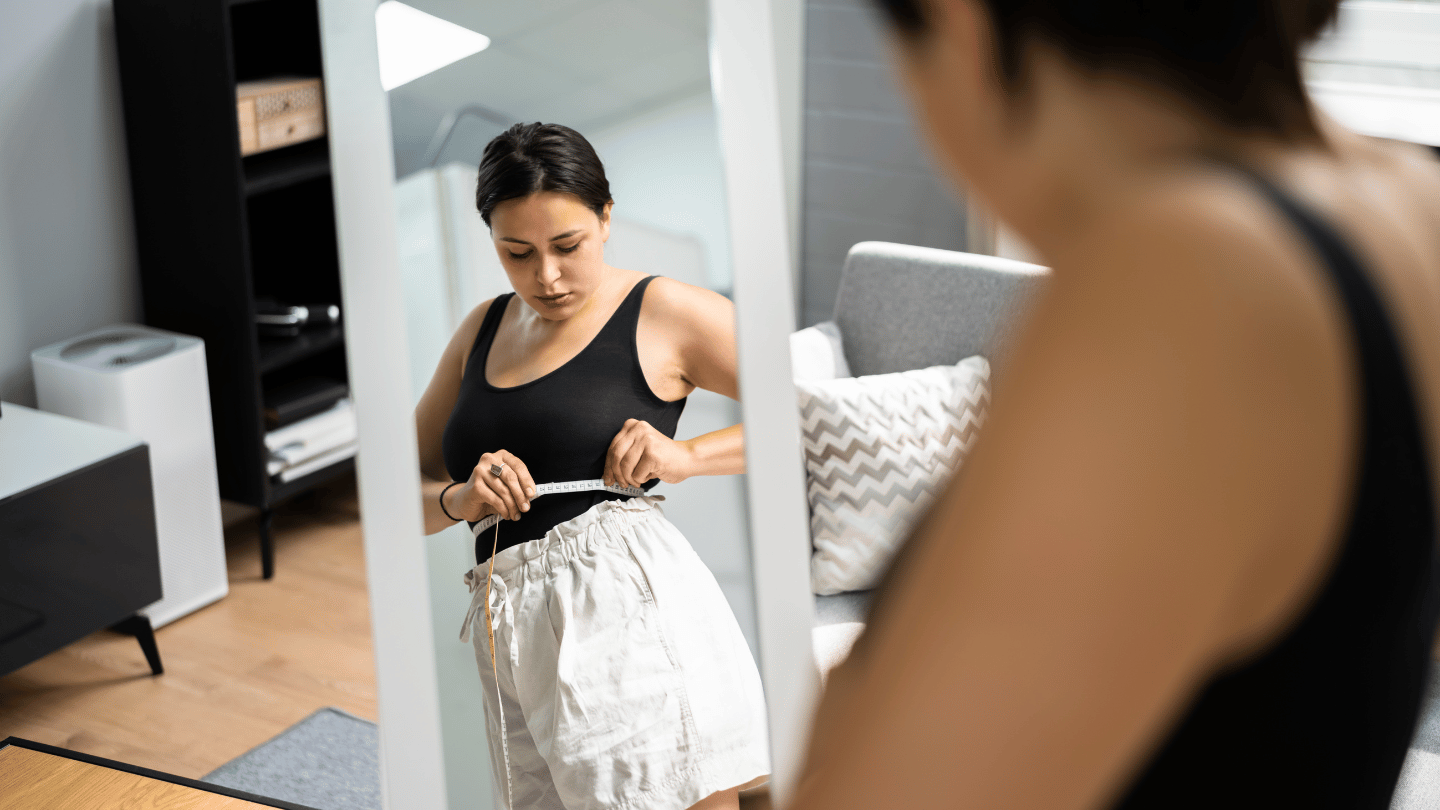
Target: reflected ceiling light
x,y
413,43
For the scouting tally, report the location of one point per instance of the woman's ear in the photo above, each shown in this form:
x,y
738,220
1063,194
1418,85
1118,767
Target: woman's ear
x,y
605,221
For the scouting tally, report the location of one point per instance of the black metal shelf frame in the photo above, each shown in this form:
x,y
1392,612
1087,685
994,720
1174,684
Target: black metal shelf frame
x,y
214,230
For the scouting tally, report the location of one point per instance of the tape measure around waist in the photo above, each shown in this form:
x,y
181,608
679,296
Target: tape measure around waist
x,y
590,485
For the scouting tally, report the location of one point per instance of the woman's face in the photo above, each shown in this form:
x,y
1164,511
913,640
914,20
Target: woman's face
x,y
552,247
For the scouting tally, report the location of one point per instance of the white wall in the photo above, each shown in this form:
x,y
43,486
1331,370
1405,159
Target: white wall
x,y
67,253
665,171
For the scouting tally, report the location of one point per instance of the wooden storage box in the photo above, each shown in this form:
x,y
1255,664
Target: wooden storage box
x,y
278,112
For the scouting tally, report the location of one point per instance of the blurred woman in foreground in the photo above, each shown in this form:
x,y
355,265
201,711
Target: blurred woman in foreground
x,y
1191,563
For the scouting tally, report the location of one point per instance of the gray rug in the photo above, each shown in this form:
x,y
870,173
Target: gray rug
x,y
328,761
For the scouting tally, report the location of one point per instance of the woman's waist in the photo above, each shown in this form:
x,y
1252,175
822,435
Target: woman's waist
x,y
607,521
545,514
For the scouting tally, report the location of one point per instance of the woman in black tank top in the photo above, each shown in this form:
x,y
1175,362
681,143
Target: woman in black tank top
x,y
560,425
581,373
578,378
1191,561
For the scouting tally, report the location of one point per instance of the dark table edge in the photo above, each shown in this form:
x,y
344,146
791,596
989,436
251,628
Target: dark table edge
x,y
159,775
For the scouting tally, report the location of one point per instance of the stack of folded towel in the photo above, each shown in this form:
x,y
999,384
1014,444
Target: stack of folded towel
x,y
312,443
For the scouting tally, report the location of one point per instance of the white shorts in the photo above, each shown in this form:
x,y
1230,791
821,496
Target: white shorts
x,y
623,679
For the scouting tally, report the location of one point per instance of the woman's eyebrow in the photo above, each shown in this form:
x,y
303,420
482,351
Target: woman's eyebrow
x,y
552,239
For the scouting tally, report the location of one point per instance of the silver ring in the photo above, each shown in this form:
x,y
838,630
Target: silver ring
x,y
497,470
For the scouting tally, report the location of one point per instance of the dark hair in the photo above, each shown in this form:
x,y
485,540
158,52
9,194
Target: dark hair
x,y
1239,59
527,158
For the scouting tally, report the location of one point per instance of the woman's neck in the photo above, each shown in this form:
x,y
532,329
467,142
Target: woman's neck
x,y
1086,144
599,303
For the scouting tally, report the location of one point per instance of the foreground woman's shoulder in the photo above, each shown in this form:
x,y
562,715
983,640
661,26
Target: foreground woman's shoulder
x,y
1204,230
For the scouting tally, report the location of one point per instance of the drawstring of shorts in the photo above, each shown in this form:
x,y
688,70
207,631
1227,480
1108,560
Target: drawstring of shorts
x,y
495,671
494,668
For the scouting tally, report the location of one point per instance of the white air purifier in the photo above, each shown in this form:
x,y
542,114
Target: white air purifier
x,y
152,384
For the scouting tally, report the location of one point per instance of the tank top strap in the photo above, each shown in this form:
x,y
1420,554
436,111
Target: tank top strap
x,y
490,325
628,315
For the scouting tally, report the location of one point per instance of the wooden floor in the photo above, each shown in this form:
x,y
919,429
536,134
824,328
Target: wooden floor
x,y
236,673
31,780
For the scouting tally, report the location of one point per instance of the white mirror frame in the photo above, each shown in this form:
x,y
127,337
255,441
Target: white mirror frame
x,y
362,171
743,79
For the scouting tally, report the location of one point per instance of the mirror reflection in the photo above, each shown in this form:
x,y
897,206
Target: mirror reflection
x,y
566,276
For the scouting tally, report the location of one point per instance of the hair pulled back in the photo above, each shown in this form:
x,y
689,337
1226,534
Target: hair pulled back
x,y
1238,59
527,158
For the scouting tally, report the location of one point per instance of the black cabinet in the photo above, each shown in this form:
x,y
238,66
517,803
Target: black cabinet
x,y
78,547
217,231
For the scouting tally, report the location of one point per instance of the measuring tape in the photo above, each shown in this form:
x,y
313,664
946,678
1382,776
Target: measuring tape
x,y
591,485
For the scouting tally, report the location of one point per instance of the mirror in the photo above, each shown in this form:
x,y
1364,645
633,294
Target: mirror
x,y
634,78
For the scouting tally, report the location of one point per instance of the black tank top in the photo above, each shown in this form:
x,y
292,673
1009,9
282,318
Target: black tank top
x,y
1323,716
561,424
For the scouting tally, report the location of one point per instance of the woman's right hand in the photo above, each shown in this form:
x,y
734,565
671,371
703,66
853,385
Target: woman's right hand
x,y
484,494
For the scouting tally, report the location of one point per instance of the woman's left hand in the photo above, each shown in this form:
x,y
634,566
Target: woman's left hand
x,y
640,453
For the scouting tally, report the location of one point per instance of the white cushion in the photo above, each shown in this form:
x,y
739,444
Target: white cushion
x,y
832,644
816,353
878,450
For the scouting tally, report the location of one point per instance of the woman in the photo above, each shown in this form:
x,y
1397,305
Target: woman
x,y
1191,561
615,674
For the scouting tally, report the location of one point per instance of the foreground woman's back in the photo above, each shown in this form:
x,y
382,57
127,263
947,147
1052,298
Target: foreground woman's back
x,y
1191,561
1322,716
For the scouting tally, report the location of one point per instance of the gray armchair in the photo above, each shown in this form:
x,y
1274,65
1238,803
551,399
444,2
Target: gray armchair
x,y
902,307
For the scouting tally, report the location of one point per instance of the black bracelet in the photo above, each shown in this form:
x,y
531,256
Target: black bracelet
x,y
442,500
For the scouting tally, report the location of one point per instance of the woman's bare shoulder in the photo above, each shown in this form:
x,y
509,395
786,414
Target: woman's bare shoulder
x,y
1410,163
675,305
1417,169
669,294
1209,233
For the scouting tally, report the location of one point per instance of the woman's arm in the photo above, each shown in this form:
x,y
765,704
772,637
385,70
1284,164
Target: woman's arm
x,y
1158,489
480,495
433,411
686,339
640,453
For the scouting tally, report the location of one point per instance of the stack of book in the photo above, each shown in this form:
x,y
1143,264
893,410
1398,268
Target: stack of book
x,y
312,443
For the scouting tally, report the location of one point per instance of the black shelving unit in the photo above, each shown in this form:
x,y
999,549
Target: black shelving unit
x,y
217,231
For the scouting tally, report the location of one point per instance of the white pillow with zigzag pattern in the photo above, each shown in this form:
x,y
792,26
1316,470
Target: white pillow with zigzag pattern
x,y
878,451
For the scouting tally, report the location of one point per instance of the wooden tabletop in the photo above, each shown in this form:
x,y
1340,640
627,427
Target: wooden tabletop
x,y
35,780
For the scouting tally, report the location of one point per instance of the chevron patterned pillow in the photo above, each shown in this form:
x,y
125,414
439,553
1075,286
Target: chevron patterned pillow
x,y
878,450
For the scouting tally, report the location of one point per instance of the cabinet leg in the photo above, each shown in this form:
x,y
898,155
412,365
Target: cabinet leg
x,y
140,627
267,543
